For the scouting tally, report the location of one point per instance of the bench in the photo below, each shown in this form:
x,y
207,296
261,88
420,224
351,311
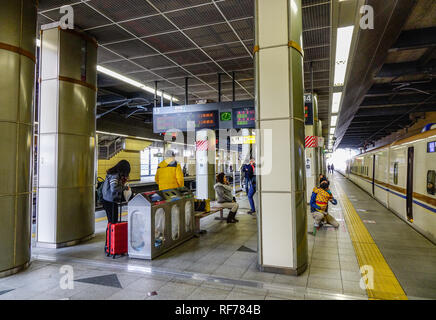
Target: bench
x,y
202,214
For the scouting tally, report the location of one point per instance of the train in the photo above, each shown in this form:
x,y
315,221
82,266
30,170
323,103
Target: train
x,y
402,177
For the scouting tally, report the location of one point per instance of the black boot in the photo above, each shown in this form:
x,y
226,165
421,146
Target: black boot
x,y
230,217
233,217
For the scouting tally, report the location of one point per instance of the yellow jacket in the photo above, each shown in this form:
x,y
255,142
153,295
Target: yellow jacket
x,y
169,175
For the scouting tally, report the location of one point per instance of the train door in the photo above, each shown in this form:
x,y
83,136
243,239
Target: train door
x,y
373,175
409,201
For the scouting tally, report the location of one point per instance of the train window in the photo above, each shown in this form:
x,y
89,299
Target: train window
x,y
396,173
431,182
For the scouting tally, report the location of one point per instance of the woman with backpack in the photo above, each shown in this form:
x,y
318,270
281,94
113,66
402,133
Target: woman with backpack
x,y
113,187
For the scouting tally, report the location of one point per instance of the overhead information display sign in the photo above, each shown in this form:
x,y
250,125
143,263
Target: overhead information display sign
x,y
202,120
244,118
223,115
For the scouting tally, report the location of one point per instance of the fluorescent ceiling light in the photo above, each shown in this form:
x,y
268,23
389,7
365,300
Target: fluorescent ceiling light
x,y
336,101
132,82
343,45
333,121
332,130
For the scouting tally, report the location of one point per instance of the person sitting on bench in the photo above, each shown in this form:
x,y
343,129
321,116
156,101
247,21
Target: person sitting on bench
x,y
225,197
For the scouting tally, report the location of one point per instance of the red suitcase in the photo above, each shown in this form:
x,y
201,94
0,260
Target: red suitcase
x,y
116,238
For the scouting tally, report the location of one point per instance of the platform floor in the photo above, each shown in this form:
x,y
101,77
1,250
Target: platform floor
x,y
222,264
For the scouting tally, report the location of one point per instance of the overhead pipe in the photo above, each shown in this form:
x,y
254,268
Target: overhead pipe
x,y
234,85
121,101
113,109
186,91
219,87
155,94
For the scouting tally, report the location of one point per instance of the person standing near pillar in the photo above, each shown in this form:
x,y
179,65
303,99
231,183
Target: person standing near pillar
x,y
245,175
252,185
113,188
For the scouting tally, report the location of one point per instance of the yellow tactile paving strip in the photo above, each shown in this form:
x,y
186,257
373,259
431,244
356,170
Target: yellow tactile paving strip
x,y
385,285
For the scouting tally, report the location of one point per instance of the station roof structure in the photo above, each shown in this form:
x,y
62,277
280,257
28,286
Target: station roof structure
x,y
392,75
169,40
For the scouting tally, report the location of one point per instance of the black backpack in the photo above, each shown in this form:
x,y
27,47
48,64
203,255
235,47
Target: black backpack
x,y
99,190
199,205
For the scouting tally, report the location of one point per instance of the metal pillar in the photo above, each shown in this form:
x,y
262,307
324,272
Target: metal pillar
x,y
233,86
219,87
66,179
320,149
282,218
186,91
155,93
311,153
17,63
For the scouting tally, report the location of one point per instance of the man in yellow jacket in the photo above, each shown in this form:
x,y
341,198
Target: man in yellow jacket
x,y
169,174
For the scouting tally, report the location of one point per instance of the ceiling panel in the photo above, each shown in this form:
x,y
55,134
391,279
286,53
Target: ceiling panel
x,y
154,62
188,57
244,28
149,26
109,34
131,49
211,35
169,42
168,5
197,16
235,9
119,10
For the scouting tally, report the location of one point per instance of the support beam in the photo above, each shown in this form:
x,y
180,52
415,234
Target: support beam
x,y
392,70
219,87
186,91
282,216
400,110
68,93
416,38
17,60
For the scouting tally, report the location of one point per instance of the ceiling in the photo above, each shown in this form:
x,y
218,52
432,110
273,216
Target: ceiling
x,y
400,85
169,40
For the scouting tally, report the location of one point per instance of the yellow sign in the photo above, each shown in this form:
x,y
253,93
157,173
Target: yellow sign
x,y
249,140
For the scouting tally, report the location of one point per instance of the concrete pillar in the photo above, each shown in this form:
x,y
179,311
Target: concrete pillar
x,y
68,96
317,134
279,108
321,165
312,152
17,65
205,164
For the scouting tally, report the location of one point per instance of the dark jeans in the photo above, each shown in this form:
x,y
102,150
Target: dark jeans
x,y
111,209
251,192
